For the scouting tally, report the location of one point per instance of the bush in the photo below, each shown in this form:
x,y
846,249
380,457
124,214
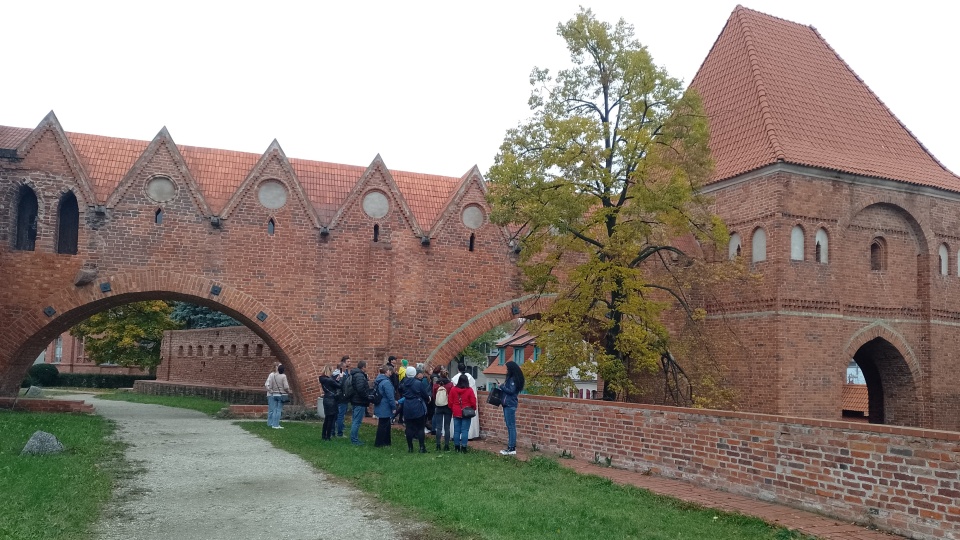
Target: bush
x,y
96,380
44,374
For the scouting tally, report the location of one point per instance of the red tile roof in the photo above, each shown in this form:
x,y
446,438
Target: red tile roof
x,y
854,398
220,172
775,91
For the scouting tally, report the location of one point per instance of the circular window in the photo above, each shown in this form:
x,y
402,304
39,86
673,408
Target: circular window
x,y
472,217
161,189
272,194
375,204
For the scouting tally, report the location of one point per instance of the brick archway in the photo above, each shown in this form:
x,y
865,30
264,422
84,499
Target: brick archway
x,y
67,308
466,333
892,374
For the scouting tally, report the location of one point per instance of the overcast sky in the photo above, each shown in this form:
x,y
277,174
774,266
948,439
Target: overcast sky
x,y
430,86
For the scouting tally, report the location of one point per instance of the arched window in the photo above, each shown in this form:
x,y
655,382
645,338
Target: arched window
x,y
878,255
180,351
734,248
376,233
271,226
944,254
759,252
68,224
822,246
158,216
189,350
472,239
27,210
796,243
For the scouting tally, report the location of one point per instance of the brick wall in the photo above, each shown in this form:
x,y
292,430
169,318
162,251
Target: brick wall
x,y
902,480
242,396
229,357
46,405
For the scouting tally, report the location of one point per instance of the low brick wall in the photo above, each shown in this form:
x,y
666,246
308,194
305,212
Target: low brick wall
x,y
244,396
248,411
901,480
47,405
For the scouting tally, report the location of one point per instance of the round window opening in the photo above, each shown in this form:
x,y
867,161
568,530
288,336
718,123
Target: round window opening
x,y
375,204
472,217
272,194
161,189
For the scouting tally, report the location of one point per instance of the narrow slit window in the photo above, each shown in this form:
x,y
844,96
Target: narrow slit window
x,y
759,251
259,349
190,350
180,351
27,211
158,216
796,243
734,248
823,247
877,255
271,226
473,239
376,233
68,224
944,256
246,349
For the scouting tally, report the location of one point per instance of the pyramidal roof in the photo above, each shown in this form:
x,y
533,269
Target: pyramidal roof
x,y
775,91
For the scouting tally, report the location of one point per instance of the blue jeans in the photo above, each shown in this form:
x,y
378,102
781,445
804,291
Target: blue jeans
x,y
341,414
461,431
510,419
358,412
274,410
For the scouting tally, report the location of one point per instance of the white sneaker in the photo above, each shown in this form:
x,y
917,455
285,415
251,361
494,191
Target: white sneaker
x,y
281,427
508,452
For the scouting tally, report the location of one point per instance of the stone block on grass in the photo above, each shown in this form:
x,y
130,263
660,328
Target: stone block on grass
x,y
42,443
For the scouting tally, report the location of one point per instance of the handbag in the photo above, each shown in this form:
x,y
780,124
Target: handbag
x,y
284,398
496,397
467,412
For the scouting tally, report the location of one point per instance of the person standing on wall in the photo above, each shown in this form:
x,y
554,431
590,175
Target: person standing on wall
x,y
339,375
461,395
277,391
415,397
511,387
361,384
387,407
331,387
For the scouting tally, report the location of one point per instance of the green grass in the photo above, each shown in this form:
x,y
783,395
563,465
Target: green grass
x,y
207,406
479,495
58,496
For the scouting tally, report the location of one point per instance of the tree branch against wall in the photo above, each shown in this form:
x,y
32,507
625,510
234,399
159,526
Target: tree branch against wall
x,y
605,176
128,335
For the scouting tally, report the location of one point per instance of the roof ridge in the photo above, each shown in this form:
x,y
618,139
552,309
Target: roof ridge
x,y
765,110
880,101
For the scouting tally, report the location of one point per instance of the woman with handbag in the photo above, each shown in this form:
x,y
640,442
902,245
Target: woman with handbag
x,y
511,389
330,387
278,393
463,403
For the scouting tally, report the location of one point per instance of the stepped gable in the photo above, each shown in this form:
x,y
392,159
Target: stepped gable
x,y
219,174
775,91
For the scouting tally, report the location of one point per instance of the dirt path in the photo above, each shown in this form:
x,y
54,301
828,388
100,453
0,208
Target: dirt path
x,y
209,479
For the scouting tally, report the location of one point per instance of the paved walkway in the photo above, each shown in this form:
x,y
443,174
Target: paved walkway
x,y
799,520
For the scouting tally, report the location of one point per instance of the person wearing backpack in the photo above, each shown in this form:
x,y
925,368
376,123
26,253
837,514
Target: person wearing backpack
x,y
441,412
340,375
357,389
387,406
415,397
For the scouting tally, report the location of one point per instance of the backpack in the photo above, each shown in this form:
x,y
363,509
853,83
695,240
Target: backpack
x,y
374,396
441,399
347,385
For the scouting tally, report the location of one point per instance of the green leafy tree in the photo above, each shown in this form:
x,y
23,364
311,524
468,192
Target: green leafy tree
x,y
476,353
128,335
600,183
192,316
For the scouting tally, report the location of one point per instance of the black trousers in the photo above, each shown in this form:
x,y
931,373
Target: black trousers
x,y
414,430
383,432
329,419
441,424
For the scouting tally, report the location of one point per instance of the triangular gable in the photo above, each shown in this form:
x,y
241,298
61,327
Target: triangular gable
x,y
378,166
273,152
50,123
162,140
775,91
471,180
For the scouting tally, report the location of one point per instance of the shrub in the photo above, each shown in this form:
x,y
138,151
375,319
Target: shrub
x,y
96,380
44,374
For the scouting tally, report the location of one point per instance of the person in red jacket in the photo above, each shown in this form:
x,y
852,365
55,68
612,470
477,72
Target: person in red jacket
x,y
461,396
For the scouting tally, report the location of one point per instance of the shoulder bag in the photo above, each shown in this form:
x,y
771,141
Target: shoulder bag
x,y
466,412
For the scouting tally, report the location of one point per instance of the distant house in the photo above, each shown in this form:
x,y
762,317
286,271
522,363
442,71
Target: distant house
x,y
67,353
521,347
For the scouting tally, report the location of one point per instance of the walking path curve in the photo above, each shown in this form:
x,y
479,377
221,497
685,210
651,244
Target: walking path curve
x,y
209,479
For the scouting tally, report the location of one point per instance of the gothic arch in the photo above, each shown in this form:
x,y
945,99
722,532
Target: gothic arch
x,y
69,307
880,329
919,229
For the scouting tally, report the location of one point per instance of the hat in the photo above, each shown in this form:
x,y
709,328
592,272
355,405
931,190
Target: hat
x,y
411,371
404,362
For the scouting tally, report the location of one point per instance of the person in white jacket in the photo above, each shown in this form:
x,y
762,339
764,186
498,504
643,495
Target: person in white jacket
x,y
475,423
277,388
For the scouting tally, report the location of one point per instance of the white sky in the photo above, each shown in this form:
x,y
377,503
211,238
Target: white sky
x,y
431,86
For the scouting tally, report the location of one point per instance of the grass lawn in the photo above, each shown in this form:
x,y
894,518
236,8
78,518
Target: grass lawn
x,y
58,496
479,495
207,406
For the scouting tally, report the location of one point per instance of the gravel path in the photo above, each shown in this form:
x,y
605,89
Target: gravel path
x,y
209,479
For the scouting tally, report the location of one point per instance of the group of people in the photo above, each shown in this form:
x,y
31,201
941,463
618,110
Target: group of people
x,y
434,403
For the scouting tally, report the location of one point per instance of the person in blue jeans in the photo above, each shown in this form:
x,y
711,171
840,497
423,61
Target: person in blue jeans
x,y
277,388
341,373
358,378
461,396
511,389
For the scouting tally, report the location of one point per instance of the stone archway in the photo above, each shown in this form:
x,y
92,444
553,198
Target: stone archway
x,y
891,384
33,330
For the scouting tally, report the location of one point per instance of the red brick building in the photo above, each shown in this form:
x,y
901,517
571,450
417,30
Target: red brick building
x,y
67,353
851,223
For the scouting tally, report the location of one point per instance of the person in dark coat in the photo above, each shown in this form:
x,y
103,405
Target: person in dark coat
x,y
415,397
511,387
358,378
441,412
330,388
384,410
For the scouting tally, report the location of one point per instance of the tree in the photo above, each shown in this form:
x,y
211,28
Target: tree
x,y
476,353
192,316
128,335
600,183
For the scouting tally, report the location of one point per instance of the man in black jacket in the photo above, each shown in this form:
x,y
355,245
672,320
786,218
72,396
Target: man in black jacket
x,y
358,378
